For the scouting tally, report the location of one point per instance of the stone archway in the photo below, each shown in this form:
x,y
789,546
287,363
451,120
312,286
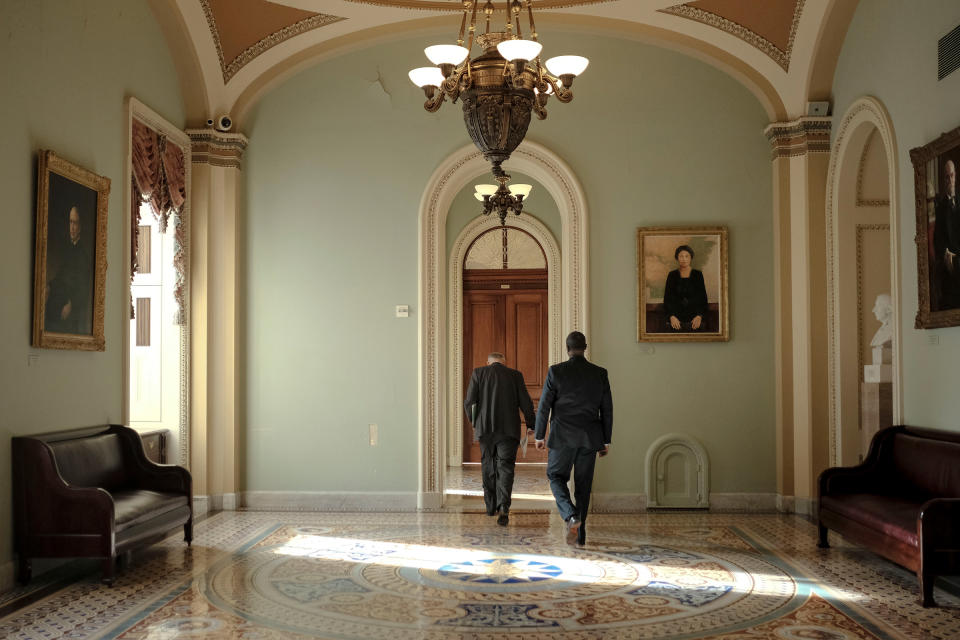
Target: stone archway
x,y
451,176
865,118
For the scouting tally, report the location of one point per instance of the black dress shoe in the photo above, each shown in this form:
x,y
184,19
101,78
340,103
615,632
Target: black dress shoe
x,y
503,520
492,511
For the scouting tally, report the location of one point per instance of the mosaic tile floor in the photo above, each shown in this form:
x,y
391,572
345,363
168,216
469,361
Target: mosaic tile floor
x,y
266,576
529,480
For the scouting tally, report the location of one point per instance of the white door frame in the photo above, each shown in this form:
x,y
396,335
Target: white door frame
x,y
453,174
143,113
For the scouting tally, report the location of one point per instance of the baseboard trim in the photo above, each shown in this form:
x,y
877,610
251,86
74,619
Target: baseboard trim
x,y
618,502
805,507
8,576
328,501
201,505
745,502
430,501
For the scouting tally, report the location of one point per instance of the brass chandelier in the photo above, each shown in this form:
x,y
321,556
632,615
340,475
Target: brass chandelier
x,y
502,199
500,88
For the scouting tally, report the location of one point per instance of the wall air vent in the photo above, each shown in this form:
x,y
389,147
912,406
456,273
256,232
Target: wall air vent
x,y
948,54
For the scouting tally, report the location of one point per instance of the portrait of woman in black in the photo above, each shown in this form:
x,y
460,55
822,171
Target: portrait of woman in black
x,y
685,295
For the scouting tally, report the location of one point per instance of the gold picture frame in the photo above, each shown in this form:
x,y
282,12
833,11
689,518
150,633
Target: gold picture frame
x,y
70,265
698,298
938,240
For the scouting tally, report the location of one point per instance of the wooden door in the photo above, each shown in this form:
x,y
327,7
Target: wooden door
x,y
513,322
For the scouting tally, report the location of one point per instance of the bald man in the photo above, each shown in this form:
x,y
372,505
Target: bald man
x,y
499,394
946,240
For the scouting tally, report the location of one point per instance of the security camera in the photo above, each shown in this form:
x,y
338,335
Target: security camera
x,y
224,123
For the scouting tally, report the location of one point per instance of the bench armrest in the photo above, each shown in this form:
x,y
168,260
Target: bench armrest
x,y
863,477
847,479
939,523
45,503
148,474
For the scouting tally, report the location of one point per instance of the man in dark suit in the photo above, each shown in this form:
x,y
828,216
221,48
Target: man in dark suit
x,y
498,392
946,243
577,392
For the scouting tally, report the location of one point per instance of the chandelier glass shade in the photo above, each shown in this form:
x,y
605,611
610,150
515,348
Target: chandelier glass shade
x,y
502,199
500,88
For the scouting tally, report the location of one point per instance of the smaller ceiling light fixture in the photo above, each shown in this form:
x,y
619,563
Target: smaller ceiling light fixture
x,y
502,199
501,87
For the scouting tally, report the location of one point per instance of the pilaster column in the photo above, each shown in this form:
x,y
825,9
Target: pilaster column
x,y
801,153
215,411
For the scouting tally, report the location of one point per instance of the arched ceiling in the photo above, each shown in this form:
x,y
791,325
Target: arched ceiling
x,y
241,48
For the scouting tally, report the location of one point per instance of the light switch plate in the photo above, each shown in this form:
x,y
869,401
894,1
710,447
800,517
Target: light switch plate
x,y
403,310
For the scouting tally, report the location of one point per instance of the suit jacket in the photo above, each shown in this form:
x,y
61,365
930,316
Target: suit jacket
x,y
577,393
498,391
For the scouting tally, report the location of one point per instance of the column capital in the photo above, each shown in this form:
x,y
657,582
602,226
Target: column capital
x,y
217,148
799,137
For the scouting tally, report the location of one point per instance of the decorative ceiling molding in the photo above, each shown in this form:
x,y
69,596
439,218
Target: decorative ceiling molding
x,y
868,148
778,55
231,68
457,5
799,137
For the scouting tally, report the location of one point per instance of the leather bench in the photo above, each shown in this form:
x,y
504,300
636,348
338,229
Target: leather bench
x,y
93,493
902,502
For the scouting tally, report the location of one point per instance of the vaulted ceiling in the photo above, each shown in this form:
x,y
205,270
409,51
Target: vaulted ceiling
x,y
230,52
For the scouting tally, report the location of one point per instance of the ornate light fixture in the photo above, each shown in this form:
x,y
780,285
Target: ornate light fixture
x,y
501,87
502,199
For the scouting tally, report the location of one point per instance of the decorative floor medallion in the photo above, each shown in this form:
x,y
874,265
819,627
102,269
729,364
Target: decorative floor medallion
x,y
435,576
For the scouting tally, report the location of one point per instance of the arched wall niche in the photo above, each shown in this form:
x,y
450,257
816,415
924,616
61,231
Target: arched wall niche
x,y
435,369
865,124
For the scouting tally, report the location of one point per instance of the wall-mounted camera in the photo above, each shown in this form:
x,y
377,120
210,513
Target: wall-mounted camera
x,y
224,123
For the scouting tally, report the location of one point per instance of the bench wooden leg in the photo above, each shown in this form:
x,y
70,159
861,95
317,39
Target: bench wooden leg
x,y
108,571
188,532
25,570
824,543
926,590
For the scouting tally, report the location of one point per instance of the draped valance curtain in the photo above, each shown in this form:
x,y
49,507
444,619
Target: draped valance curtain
x,y
159,179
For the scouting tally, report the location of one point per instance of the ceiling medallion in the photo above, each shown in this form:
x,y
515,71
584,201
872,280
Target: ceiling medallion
x,y
501,87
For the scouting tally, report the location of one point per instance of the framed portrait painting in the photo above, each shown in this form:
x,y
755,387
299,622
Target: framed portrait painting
x,y
935,167
682,292
70,266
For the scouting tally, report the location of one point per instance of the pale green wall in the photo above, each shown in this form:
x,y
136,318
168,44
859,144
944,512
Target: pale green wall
x,y
335,171
66,67
890,52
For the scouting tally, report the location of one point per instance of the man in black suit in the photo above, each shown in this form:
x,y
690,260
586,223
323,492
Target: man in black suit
x,y
498,392
946,243
577,392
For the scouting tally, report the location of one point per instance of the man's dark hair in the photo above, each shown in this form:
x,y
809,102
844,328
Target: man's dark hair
x,y
683,247
576,341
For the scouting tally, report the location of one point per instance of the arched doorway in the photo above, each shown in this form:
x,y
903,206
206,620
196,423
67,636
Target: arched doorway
x,y
439,281
505,303
863,265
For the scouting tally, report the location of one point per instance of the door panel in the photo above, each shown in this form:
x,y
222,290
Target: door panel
x,y
483,326
515,324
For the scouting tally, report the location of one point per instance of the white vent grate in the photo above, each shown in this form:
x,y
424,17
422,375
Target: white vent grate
x,y
948,54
